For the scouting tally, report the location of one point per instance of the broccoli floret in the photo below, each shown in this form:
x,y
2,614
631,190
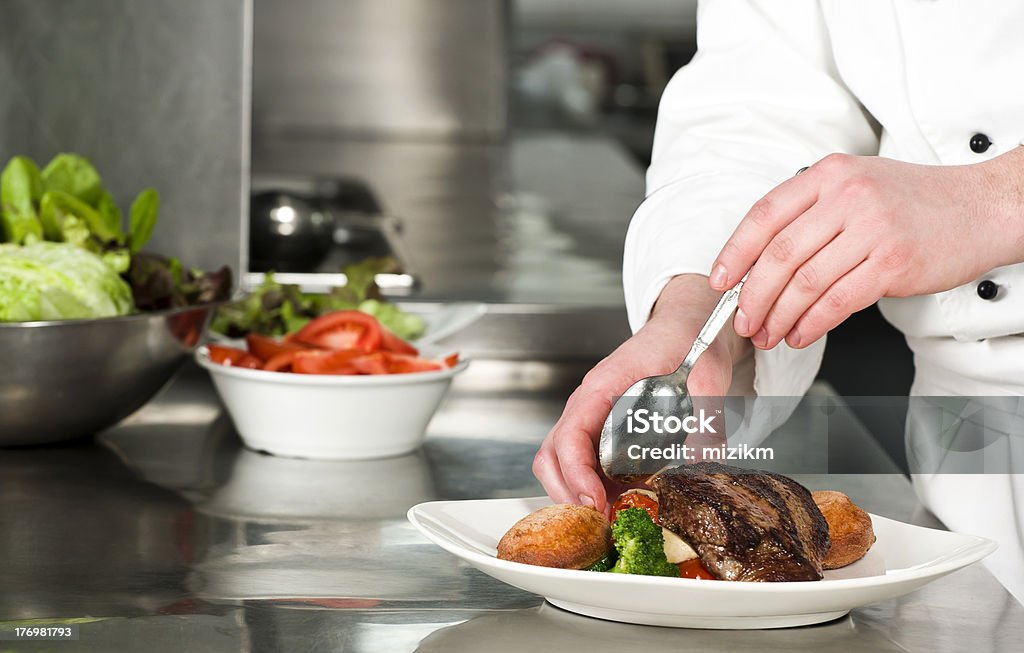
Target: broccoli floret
x,y
605,563
641,545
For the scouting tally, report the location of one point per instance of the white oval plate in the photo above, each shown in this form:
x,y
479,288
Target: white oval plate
x,y
903,558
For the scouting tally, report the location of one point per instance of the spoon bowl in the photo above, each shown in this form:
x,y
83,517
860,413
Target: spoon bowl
x,y
656,394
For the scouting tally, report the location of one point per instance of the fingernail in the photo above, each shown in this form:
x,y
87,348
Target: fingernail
x,y
760,338
586,501
794,338
741,324
719,277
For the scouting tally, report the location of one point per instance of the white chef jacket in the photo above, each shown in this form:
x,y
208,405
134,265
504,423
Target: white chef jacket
x,y
777,85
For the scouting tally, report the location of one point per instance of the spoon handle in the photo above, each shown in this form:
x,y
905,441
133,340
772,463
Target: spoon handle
x,y
708,333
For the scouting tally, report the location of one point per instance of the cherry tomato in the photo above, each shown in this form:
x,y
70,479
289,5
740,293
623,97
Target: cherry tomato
x,y
342,330
265,348
636,500
695,569
391,342
326,361
232,357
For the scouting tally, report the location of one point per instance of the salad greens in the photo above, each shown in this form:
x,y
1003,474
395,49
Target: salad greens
x,y
274,309
58,281
160,283
20,190
91,263
67,202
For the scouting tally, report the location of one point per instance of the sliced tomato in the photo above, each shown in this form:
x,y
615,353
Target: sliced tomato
x,y
451,360
265,348
233,357
342,330
636,500
402,364
376,363
695,569
281,362
391,342
326,361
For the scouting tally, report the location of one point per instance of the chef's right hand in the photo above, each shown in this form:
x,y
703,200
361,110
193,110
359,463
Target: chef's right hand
x,y
566,464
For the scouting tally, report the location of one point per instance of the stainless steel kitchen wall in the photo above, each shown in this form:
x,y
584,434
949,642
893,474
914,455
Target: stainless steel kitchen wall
x,y
155,92
397,68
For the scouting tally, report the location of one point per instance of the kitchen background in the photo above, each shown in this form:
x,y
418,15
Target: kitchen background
x,y
496,147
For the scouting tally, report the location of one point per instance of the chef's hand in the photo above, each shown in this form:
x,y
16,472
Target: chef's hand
x,y
566,464
850,230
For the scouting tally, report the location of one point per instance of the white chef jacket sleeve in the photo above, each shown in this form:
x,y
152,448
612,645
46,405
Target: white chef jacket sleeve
x,y
761,99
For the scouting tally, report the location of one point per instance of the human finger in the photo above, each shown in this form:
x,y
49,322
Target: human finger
x,y
855,291
575,440
549,473
775,269
766,218
808,284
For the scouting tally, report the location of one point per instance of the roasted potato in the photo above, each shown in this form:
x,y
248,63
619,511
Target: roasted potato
x,y
565,536
849,528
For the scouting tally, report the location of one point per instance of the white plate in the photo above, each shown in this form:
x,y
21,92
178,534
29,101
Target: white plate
x,y
903,558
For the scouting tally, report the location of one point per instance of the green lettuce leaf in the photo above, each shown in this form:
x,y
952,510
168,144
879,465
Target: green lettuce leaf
x,y
74,175
404,325
110,215
142,216
20,189
62,204
58,281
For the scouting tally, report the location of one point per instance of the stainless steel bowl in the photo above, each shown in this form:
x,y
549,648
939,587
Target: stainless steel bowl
x,y
67,380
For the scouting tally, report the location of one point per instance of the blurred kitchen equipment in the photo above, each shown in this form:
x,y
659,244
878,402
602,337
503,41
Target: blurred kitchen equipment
x,y
653,392
348,195
307,230
288,233
75,378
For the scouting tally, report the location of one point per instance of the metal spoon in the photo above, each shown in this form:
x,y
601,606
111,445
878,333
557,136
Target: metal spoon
x,y
655,391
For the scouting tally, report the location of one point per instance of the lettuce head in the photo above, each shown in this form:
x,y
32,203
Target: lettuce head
x,y
59,281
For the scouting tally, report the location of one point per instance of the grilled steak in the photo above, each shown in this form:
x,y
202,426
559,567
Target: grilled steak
x,y
744,524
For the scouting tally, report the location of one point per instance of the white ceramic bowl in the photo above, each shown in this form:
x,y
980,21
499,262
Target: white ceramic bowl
x,y
329,417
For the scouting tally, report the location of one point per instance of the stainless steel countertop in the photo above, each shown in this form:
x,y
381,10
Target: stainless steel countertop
x,y
177,539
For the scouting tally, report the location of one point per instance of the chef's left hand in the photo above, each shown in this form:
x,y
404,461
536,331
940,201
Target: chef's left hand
x,y
850,230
